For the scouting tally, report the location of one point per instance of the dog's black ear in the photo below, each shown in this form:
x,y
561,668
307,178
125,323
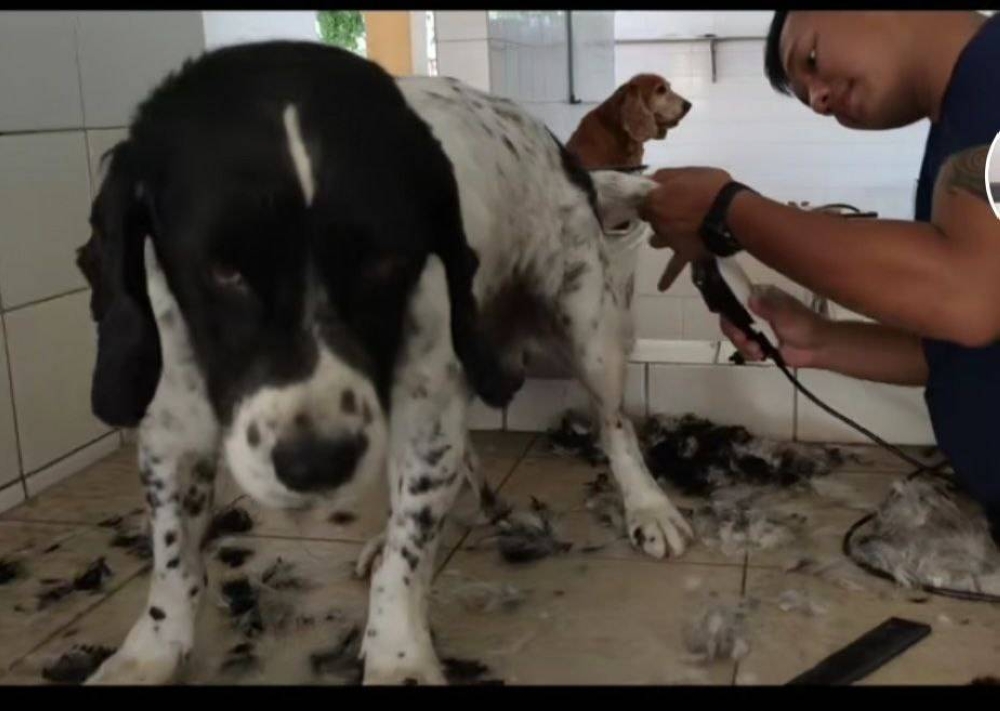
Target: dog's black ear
x,y
484,368
128,345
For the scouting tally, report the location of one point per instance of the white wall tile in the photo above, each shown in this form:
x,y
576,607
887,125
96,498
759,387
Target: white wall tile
x,y
896,414
674,351
124,55
659,317
758,398
228,27
80,459
483,417
460,24
10,469
467,61
11,496
699,323
540,403
44,205
38,74
52,353
100,141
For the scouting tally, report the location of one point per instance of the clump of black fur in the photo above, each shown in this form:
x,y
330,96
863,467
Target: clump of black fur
x,y
241,659
234,556
91,579
467,671
575,436
340,659
229,522
526,536
77,664
10,570
138,544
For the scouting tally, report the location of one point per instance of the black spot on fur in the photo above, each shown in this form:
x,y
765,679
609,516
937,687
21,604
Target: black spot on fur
x,y
173,562
348,402
193,591
510,146
157,614
434,456
253,434
412,559
76,665
169,538
204,471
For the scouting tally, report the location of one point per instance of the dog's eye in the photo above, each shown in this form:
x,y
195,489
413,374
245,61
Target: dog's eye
x,y
227,277
661,89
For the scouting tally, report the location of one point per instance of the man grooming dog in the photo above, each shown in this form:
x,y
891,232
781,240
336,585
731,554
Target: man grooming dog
x,y
932,284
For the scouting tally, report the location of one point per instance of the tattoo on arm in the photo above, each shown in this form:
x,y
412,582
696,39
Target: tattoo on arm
x,y
966,171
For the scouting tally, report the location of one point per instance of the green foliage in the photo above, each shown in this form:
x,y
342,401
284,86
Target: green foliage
x,y
342,28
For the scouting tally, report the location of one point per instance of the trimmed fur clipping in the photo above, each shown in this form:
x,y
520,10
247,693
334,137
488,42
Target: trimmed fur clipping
x,y
927,534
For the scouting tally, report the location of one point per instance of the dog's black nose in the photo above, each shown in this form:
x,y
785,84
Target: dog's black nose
x,y
685,107
307,462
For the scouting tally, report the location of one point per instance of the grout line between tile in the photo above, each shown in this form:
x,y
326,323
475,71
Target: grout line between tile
x,y
510,472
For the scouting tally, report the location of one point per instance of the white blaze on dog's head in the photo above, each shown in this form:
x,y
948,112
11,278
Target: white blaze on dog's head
x,y
298,152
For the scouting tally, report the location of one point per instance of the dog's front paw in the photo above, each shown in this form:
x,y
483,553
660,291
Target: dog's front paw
x,y
655,525
404,672
147,657
397,657
127,669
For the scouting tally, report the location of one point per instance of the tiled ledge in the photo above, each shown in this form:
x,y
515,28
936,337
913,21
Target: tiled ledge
x,y
677,377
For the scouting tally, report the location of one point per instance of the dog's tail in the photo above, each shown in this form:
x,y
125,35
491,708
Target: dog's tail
x,y
619,197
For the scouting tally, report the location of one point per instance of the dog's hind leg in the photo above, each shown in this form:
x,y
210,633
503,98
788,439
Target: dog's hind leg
x,y
596,326
177,459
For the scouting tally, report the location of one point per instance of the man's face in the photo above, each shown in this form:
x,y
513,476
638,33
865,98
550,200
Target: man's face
x,y
850,65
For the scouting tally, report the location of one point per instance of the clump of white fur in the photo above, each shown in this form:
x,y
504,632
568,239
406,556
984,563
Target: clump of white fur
x,y
926,534
718,632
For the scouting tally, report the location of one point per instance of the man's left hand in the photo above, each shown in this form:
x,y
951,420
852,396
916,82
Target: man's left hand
x,y
675,211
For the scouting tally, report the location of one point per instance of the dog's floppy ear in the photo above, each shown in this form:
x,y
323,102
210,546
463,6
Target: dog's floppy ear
x,y
637,119
128,346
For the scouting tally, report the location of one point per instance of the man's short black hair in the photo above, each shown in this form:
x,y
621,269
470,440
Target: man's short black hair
x,y
772,55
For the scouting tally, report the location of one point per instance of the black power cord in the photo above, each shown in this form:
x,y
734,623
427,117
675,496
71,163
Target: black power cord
x,y
921,468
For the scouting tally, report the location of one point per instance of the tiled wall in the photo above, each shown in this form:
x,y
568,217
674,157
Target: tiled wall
x,y
70,81
765,139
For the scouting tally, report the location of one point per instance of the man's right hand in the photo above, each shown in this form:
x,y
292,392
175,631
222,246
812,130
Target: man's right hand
x,y
801,332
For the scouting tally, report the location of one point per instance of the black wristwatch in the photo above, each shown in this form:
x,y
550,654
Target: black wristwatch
x,y
714,231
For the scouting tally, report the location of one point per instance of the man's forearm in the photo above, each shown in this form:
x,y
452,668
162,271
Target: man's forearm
x,y
904,274
870,351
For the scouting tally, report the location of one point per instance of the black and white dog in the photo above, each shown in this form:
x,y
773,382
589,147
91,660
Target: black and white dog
x,y
303,270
